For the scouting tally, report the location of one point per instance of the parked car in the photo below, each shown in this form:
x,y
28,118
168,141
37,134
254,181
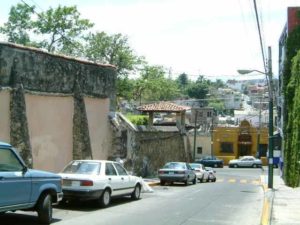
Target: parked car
x,y
98,180
22,188
177,172
211,161
211,174
200,171
245,161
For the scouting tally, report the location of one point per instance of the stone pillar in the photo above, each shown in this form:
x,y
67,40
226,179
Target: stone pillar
x,y
150,122
81,138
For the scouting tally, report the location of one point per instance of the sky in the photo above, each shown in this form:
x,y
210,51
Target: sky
x,y
212,38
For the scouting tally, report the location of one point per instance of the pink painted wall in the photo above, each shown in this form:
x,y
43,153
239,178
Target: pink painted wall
x,y
99,128
50,123
4,116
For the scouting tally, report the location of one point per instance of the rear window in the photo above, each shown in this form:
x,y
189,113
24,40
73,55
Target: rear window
x,y
80,167
180,166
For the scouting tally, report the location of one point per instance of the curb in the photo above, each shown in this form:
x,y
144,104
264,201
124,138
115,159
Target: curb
x,y
267,205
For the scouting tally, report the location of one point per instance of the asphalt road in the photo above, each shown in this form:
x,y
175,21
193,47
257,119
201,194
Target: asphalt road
x,y
236,198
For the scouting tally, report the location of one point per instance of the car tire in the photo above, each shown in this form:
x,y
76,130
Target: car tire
x,y
136,194
201,180
105,198
215,165
44,208
235,166
186,182
254,166
162,182
195,180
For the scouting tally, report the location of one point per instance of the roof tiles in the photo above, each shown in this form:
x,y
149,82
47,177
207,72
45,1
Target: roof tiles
x,y
163,107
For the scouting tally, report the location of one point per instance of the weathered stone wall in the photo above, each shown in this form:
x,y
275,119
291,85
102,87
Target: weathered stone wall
x,y
31,71
154,149
43,72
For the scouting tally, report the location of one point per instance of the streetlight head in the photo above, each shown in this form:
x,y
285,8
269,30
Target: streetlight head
x,y
243,72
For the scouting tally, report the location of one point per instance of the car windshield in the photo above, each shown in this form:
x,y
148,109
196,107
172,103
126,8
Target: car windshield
x,y
173,165
195,165
81,167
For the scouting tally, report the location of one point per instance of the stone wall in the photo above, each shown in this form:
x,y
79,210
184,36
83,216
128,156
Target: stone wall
x,y
154,149
29,71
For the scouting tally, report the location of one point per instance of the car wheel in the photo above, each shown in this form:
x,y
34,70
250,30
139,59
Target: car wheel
x,y
254,166
162,182
215,165
44,208
235,165
186,182
105,198
136,193
195,180
201,179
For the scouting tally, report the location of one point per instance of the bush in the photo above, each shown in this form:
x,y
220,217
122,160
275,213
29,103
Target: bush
x,y
138,119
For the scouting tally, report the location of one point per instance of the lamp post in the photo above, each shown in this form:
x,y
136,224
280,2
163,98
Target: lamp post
x,y
270,89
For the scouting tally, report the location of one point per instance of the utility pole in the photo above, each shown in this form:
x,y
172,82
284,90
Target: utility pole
x,y
195,133
259,128
271,98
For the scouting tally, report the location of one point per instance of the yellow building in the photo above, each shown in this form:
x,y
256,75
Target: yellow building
x,y
233,142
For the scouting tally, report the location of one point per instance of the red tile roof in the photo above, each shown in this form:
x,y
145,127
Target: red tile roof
x,y
163,107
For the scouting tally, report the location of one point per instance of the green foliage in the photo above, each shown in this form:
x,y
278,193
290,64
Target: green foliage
x,y
62,28
198,90
218,105
291,83
112,49
19,24
153,86
138,119
182,81
57,30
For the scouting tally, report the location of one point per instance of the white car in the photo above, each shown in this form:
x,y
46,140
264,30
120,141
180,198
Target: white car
x,y
245,161
200,171
98,180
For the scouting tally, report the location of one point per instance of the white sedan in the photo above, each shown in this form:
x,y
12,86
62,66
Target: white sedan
x,y
245,161
98,180
200,171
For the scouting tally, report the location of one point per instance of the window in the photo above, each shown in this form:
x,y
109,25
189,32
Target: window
x,y
208,114
263,148
120,169
9,161
199,150
110,170
227,147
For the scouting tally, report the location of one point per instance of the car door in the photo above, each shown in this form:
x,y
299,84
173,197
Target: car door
x,y
15,181
112,178
126,185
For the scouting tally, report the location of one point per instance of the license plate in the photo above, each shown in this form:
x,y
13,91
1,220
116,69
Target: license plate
x,y
75,183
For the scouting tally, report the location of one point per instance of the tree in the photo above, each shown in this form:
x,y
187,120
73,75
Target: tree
x,y
19,24
57,30
112,49
62,28
182,81
153,86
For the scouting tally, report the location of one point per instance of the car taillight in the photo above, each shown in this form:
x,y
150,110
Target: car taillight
x,y
86,183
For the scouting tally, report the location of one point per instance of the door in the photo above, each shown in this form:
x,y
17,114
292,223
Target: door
x,y
112,178
15,184
126,185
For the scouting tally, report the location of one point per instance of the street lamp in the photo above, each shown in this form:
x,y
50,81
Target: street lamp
x,y
270,90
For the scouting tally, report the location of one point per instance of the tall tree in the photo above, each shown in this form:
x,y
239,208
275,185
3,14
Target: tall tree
x,y
56,30
113,49
183,80
19,24
62,28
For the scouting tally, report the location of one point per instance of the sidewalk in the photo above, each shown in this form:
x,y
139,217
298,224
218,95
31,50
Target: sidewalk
x,y
282,204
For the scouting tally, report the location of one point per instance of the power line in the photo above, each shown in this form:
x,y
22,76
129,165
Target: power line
x,y
260,37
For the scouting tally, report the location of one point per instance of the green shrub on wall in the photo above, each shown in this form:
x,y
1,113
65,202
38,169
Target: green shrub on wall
x,y
138,119
292,144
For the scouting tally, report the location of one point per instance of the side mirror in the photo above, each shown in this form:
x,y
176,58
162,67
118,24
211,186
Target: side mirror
x,y
25,169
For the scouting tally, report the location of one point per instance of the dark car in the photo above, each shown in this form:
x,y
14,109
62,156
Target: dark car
x,y
177,172
211,161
